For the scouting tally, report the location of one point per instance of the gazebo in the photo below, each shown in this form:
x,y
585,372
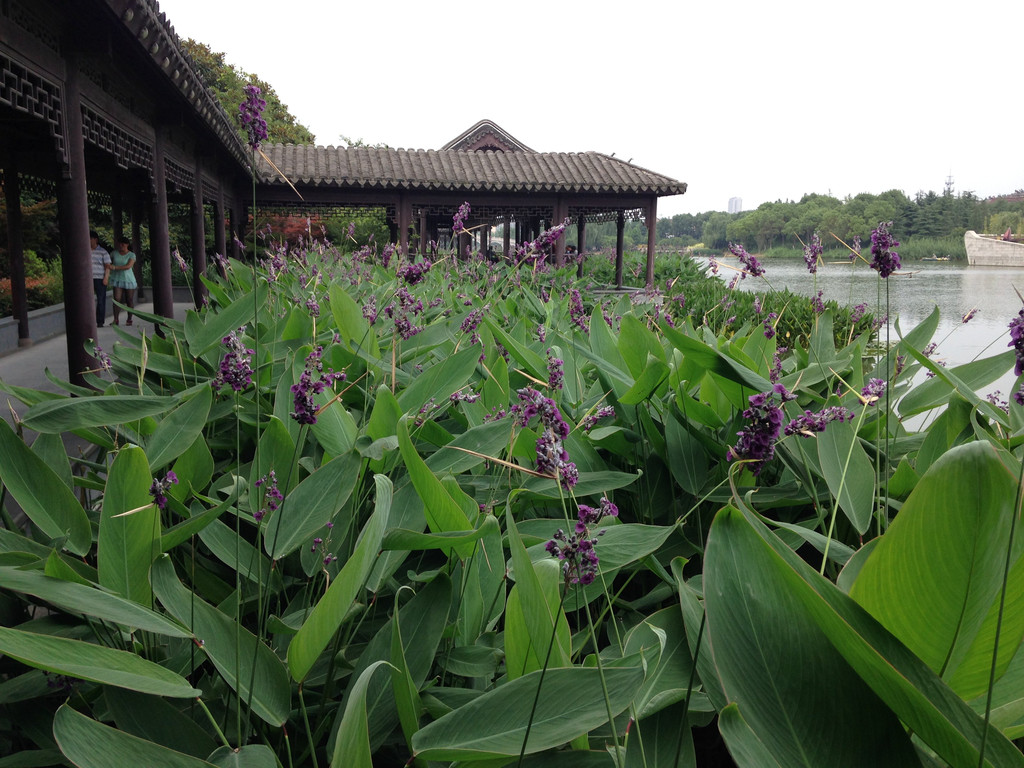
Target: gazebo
x,y
504,181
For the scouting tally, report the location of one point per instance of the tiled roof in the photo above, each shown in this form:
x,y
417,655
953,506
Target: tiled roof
x,y
451,170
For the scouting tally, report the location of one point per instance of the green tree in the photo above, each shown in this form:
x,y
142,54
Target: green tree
x,y
227,82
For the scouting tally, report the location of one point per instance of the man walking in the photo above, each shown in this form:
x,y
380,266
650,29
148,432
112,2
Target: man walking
x,y
100,275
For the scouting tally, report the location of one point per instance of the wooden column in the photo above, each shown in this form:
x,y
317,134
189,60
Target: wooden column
x,y
620,230
581,244
16,246
198,236
73,214
404,214
138,206
159,237
506,238
219,232
424,234
652,238
561,213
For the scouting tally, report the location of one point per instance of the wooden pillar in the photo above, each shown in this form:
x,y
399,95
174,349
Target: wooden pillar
x,y
581,243
136,214
219,232
404,213
198,236
652,238
159,236
506,237
16,246
620,230
73,214
561,213
424,234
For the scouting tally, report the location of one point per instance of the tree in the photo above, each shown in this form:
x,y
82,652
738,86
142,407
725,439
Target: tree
x,y
227,81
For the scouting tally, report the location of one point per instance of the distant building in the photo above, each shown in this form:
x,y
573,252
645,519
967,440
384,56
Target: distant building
x,y
735,204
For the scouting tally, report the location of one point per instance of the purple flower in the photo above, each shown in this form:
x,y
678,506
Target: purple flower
x,y
576,550
812,253
856,248
370,310
873,390
552,458
577,314
158,490
757,441
883,258
1017,341
413,273
859,311
182,264
313,306
272,497
235,367
591,419
816,422
818,304
305,409
250,113
556,375
769,325
970,315
459,219
752,265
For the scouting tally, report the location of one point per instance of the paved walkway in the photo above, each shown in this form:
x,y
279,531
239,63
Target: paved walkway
x,y
26,367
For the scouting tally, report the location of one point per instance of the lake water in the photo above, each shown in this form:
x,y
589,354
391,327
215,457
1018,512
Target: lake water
x,y
952,286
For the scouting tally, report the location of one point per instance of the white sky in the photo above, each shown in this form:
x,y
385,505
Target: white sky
x,y
754,99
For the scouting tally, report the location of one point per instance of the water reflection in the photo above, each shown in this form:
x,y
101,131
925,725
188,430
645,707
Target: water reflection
x,y
955,289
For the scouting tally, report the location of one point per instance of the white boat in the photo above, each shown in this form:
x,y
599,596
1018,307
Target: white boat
x,y
993,250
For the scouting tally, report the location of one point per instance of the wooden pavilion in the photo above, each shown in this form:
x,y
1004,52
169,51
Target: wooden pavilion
x,y
100,104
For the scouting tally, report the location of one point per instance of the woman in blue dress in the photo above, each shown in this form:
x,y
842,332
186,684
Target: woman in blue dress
x,y
122,279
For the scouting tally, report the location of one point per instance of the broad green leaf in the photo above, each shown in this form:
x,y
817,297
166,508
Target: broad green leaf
x,y
667,683
179,429
249,756
275,453
637,344
348,318
744,745
404,539
174,536
848,472
526,651
50,448
313,502
95,663
687,459
73,413
89,744
661,741
495,724
202,337
246,664
77,598
157,720
327,615
915,694
443,513
541,620
194,470
653,374
335,429
403,686
441,379
713,360
934,578
44,498
780,668
129,536
352,747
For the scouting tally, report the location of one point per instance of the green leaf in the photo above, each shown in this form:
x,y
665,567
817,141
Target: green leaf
x,y
78,599
261,680
953,529
50,448
179,429
313,502
441,379
714,361
653,374
202,337
95,663
637,345
129,535
157,720
68,414
443,513
348,319
44,498
848,472
89,744
744,746
921,701
403,687
352,747
404,539
495,724
327,615
249,756
774,661
667,683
